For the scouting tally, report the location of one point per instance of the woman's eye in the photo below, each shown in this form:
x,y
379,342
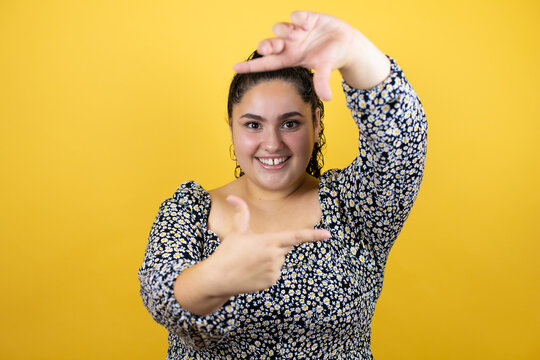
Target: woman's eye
x,y
252,125
290,124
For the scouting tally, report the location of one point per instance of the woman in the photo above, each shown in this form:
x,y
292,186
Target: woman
x,y
283,262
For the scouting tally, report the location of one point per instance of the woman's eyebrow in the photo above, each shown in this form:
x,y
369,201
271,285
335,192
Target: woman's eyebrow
x,y
281,117
252,116
290,114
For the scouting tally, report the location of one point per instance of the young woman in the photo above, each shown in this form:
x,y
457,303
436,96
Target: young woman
x,y
285,262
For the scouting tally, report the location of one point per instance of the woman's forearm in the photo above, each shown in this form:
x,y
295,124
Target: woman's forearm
x,y
196,289
366,65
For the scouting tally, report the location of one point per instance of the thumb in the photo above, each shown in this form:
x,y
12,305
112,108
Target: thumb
x,y
241,213
321,81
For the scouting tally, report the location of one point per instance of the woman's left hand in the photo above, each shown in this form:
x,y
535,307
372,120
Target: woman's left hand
x,y
322,43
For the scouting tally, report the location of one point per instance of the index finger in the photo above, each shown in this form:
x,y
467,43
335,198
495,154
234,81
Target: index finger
x,y
292,238
265,63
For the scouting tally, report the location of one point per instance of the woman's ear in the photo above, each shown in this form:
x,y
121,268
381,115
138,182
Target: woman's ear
x,y
317,124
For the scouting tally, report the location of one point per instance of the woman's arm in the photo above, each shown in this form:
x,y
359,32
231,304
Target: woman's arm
x,y
367,66
193,293
244,262
379,187
197,288
175,243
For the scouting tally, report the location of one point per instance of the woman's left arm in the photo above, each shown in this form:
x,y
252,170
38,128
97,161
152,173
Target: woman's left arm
x,y
379,187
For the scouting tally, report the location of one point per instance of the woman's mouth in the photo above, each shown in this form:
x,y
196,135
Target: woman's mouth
x,y
273,162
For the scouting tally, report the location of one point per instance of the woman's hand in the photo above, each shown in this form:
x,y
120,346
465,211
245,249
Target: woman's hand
x,y
251,262
244,262
322,43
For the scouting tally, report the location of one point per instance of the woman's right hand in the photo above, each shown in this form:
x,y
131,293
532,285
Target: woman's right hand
x,y
252,262
245,262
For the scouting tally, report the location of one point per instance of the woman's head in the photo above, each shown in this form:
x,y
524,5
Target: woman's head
x,y
301,79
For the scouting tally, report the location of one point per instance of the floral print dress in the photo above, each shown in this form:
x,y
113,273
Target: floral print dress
x,y
322,305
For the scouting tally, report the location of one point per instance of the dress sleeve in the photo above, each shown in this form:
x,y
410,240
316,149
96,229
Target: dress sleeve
x,y
176,242
379,187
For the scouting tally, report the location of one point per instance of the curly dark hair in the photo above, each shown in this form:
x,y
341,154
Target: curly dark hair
x,y
302,79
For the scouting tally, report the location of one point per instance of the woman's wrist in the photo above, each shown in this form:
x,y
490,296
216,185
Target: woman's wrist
x,y
366,66
213,278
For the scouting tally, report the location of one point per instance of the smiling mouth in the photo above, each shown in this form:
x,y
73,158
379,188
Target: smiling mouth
x,y
273,161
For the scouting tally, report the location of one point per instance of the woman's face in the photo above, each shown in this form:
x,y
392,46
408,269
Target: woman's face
x,y
273,134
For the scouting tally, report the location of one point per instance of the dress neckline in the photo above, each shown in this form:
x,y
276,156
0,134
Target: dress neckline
x,y
207,205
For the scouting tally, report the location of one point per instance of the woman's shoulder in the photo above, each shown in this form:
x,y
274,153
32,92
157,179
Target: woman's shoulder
x,y
190,195
330,178
193,193
219,218
220,194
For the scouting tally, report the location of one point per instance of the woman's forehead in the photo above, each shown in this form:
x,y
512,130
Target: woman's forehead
x,y
270,97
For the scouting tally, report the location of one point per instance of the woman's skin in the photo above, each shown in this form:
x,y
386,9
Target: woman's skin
x,y
274,206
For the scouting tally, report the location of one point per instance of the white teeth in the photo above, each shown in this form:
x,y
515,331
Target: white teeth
x,y
275,161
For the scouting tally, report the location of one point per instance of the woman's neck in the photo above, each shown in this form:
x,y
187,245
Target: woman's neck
x,y
256,194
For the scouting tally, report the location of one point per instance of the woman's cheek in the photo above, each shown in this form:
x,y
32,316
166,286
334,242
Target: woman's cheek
x,y
301,143
245,145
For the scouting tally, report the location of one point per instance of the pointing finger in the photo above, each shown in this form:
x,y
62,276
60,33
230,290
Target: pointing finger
x,y
292,238
241,215
266,63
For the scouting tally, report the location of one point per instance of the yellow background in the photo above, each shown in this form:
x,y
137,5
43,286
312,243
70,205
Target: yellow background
x,y
107,106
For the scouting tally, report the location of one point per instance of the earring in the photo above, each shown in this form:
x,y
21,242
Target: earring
x,y
232,155
237,169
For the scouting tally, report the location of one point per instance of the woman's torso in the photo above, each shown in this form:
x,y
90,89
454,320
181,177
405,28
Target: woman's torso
x,y
321,306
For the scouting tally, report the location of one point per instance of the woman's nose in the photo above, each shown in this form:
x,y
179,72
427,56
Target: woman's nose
x,y
272,140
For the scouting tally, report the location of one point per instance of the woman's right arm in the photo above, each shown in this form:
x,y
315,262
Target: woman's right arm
x,y
195,288
244,262
175,244
192,293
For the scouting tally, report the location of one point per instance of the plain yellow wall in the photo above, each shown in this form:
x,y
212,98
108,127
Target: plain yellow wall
x,y
107,106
